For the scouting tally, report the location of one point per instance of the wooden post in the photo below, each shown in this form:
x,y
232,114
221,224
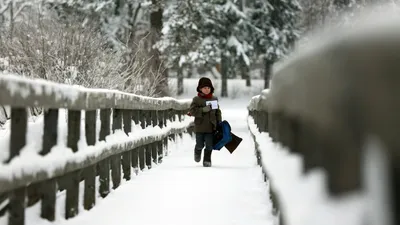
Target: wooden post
x,y
126,117
271,124
154,145
116,159
143,115
160,118
148,150
135,160
283,130
126,156
260,121
48,188
291,133
278,127
160,144
166,146
135,152
148,117
160,150
16,203
142,149
104,165
148,147
264,121
72,187
342,159
265,118
180,116
256,118
309,145
170,115
90,172
165,118
49,139
19,122
142,157
74,129
17,142
173,114
136,116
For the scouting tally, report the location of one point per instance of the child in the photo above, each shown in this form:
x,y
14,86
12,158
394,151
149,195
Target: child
x,y
206,120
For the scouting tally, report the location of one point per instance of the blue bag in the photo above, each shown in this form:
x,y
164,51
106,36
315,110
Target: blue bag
x,y
222,135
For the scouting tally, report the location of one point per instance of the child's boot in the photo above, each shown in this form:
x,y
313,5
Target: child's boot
x,y
197,155
207,158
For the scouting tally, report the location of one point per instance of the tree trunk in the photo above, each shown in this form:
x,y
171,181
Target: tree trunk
x,y
244,70
248,80
261,71
232,74
180,80
189,71
159,70
267,72
11,32
133,14
224,76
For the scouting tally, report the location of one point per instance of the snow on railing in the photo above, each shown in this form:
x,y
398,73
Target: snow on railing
x,y
83,134
321,127
20,91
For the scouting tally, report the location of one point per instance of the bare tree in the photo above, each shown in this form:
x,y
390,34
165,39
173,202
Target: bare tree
x,y
156,25
44,46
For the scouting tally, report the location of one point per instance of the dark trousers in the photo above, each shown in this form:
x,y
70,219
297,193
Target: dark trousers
x,y
204,140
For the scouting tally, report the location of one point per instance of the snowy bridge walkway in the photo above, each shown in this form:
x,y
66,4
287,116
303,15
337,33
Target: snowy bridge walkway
x,y
179,191
98,157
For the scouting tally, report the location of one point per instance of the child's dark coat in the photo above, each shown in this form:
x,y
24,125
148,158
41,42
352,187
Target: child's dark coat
x,y
204,122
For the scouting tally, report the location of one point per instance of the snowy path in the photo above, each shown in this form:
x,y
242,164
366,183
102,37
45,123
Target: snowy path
x,y
180,191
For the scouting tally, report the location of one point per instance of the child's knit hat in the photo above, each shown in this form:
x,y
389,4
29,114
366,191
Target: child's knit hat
x,y
205,82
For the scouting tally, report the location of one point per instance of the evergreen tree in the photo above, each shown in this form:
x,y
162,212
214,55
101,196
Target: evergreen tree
x,y
179,34
210,32
278,21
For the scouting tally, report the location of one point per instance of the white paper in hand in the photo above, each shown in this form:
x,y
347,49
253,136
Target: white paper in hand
x,y
214,104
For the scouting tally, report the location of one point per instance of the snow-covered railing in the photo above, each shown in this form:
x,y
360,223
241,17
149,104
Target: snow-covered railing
x,y
258,112
326,104
100,131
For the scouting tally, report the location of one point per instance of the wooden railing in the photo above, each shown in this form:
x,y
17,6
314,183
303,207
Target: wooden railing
x,y
326,102
46,173
258,111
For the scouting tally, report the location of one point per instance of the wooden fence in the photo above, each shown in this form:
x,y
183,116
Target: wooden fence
x,y
258,111
326,102
21,190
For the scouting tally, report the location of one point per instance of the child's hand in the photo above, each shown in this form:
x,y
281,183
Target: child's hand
x,y
206,108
